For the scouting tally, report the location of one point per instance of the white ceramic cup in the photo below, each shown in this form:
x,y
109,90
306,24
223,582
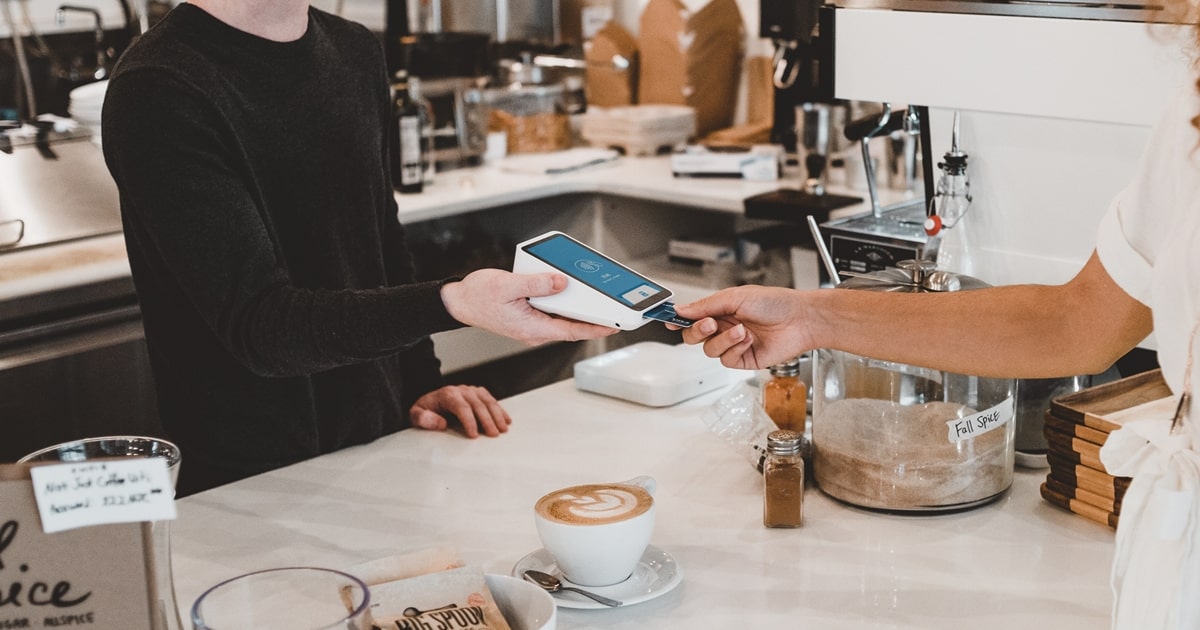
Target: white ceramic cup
x,y
603,551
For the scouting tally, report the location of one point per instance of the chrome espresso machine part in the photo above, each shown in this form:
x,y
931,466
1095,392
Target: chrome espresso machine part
x,y
886,235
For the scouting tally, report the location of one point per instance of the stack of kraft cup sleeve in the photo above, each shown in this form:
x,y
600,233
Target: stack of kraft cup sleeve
x,y
1078,424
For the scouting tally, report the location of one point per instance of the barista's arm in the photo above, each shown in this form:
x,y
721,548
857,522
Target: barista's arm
x,y
1025,331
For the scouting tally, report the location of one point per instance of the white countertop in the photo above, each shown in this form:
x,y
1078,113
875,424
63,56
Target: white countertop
x,y
1018,562
453,192
77,263
649,178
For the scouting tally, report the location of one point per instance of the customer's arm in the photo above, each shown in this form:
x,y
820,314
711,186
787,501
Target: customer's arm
x,y
1026,331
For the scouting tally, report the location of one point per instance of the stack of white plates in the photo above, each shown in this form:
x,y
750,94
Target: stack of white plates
x,y
85,106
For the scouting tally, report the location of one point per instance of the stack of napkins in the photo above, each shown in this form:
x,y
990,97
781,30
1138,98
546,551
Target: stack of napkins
x,y
1077,426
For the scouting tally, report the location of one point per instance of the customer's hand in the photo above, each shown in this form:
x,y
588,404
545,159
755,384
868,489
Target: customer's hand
x,y
497,300
474,407
749,327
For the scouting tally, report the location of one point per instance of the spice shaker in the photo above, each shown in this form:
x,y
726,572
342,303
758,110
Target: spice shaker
x,y
783,480
785,396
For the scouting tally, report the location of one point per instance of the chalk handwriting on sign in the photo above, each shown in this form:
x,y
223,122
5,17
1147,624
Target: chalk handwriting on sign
x,y
17,593
125,490
981,422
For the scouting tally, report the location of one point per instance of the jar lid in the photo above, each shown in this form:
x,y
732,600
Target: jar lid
x,y
791,367
913,276
783,441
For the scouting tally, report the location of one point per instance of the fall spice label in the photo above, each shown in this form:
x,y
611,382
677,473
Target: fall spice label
x,y
981,422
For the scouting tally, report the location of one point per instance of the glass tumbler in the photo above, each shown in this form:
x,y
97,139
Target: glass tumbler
x,y
132,446
288,598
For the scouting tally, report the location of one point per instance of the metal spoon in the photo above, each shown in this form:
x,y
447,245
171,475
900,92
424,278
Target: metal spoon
x,y
553,585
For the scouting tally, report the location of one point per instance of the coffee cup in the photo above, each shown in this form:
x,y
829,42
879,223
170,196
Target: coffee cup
x,y
597,532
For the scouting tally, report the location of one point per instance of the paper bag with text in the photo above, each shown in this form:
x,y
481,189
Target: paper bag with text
x,y
457,599
91,577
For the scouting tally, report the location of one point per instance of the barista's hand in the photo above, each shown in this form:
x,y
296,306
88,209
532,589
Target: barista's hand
x,y
474,407
497,300
749,327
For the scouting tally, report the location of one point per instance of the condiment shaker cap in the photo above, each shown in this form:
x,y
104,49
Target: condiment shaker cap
x,y
791,367
783,441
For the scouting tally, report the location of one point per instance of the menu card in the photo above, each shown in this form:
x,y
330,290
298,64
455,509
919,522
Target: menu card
x,y
89,577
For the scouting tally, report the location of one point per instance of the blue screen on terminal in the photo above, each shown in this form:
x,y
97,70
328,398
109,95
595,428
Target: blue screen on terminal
x,y
597,271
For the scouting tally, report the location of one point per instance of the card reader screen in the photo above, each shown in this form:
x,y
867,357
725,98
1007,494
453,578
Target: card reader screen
x,y
597,271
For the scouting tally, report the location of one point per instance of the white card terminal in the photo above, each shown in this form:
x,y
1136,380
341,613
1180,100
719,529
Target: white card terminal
x,y
652,373
599,290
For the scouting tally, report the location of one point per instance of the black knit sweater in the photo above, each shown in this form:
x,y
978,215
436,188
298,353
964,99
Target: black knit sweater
x,y
276,289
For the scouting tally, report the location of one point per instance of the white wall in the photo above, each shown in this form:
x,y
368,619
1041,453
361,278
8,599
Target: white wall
x,y
1055,115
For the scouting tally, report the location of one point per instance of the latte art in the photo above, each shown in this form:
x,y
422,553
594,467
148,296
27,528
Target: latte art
x,y
594,504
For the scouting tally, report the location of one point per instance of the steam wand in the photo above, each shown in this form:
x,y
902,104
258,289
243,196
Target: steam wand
x,y
60,17
863,129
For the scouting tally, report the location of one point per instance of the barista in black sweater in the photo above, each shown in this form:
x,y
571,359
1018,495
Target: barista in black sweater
x,y
248,141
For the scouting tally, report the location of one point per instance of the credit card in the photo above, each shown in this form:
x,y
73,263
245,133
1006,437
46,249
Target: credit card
x,y
665,312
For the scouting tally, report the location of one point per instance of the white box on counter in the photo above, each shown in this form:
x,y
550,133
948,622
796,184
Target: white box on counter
x,y
652,373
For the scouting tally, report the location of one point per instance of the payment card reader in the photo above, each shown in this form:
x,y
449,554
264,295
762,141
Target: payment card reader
x,y
599,289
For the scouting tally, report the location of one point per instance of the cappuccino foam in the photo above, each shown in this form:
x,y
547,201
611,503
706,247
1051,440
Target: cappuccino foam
x,y
594,504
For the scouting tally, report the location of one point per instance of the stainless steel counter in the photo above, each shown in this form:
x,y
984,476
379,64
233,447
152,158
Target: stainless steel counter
x,y
54,188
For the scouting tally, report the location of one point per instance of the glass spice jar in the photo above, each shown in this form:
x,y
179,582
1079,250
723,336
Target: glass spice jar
x,y
783,480
785,396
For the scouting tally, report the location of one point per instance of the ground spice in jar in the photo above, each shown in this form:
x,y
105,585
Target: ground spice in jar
x,y
783,480
785,396
885,455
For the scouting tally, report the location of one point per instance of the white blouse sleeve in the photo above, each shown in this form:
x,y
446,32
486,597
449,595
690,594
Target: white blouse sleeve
x,y
1141,217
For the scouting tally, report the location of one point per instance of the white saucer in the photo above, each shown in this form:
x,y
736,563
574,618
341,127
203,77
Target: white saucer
x,y
1031,460
656,574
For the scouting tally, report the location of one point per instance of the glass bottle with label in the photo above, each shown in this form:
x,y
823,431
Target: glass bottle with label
x,y
425,113
783,480
409,172
785,396
956,252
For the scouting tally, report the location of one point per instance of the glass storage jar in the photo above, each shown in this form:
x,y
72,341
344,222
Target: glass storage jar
x,y
901,437
534,117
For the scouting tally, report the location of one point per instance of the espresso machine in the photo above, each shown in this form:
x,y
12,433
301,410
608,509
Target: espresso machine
x,y
453,67
806,118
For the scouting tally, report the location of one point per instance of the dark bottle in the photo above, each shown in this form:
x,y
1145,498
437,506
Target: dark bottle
x,y
409,166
